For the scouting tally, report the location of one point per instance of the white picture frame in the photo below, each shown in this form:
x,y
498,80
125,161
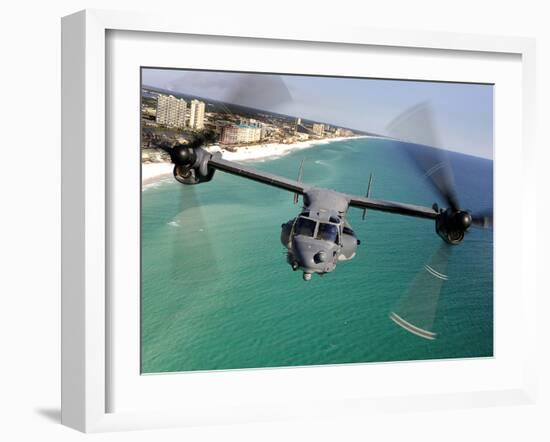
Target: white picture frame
x,y
86,317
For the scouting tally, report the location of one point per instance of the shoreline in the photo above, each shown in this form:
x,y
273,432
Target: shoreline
x,y
258,152
153,172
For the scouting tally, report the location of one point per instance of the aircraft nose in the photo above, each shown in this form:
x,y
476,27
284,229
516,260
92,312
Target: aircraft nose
x,y
320,257
311,255
304,251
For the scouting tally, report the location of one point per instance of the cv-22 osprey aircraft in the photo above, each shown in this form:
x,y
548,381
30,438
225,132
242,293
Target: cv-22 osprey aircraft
x,y
320,236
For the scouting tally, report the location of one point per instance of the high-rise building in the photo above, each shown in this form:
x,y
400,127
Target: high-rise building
x,y
196,114
318,129
297,123
171,111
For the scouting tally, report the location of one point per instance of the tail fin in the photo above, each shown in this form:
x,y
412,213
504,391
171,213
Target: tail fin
x,y
369,188
300,177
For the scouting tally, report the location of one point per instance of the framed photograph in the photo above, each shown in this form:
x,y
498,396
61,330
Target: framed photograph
x,y
262,224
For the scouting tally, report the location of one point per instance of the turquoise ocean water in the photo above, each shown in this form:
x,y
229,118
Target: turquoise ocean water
x,y
217,292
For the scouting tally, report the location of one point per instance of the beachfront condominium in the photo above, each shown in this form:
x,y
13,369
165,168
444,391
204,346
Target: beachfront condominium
x,y
196,114
340,132
171,111
318,129
241,133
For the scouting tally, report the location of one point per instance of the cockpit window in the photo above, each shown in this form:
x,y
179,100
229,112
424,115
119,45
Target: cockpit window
x,y
328,232
305,227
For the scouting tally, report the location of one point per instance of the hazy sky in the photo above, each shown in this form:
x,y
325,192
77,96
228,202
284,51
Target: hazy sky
x,y
462,113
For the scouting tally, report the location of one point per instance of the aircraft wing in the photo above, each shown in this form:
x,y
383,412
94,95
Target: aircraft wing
x,y
298,187
257,175
392,207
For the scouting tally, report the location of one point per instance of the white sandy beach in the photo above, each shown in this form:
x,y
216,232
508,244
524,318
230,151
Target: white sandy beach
x,y
152,172
272,150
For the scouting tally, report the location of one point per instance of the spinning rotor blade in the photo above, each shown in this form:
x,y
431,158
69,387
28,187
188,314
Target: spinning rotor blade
x,y
261,91
186,201
416,126
483,219
188,222
202,138
416,310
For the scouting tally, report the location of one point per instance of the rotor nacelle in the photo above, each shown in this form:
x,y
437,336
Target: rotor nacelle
x,y
451,225
191,164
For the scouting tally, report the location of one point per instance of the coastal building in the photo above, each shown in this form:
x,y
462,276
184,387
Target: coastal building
x,y
297,124
257,124
196,114
318,129
241,134
263,131
230,135
343,132
171,111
